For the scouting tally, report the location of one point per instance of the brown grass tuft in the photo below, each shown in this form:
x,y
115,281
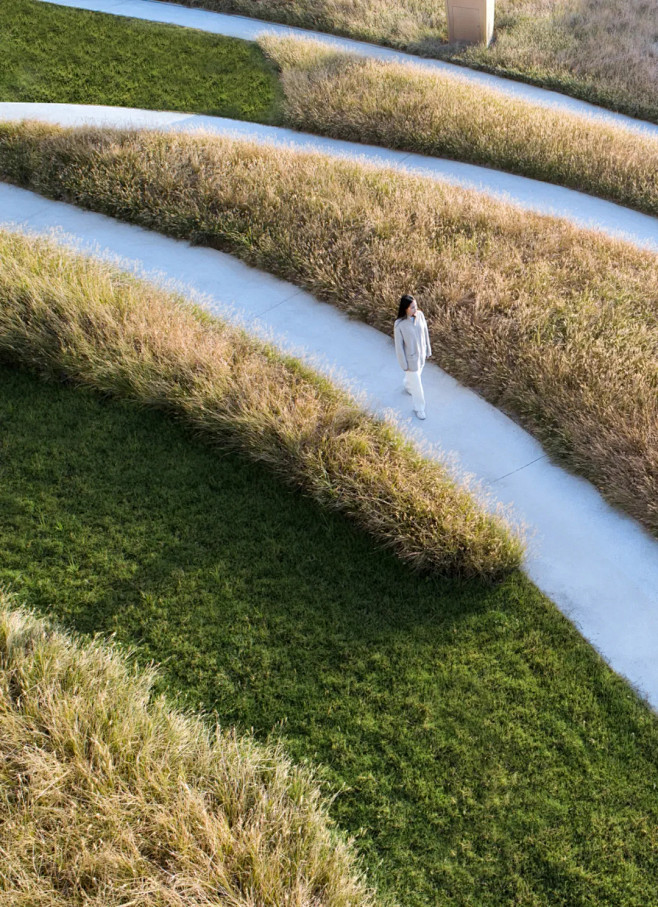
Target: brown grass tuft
x,y
111,798
399,106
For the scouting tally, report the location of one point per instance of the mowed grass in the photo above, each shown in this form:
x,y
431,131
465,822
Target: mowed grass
x,y
58,55
604,52
552,323
442,114
489,756
109,796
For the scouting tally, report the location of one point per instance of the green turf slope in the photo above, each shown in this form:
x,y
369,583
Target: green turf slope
x,y
489,756
59,55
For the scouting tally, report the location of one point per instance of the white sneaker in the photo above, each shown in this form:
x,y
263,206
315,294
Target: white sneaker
x,y
420,413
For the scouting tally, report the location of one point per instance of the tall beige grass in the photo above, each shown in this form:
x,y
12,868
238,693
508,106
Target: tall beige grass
x,y
68,316
109,797
401,22
605,51
557,325
399,106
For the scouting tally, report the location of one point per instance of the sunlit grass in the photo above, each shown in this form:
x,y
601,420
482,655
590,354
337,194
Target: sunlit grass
x,y
444,115
601,52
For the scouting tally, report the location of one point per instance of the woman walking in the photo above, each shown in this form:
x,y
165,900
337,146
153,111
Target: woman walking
x,y
412,347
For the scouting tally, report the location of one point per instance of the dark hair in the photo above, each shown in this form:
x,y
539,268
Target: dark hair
x,y
405,302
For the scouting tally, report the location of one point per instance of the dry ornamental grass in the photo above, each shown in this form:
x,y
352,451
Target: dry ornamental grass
x,y
398,106
109,797
67,316
555,324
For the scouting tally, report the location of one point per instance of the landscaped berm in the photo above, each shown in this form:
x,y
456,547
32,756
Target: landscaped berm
x,y
110,797
478,748
65,315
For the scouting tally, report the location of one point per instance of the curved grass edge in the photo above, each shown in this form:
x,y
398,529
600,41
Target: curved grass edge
x,y
66,316
155,801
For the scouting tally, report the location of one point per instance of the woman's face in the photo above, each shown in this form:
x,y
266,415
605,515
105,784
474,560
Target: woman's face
x,y
412,308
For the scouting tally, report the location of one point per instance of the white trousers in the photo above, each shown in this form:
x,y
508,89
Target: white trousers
x,y
414,386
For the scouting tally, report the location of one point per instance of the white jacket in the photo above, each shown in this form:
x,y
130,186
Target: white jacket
x,y
412,342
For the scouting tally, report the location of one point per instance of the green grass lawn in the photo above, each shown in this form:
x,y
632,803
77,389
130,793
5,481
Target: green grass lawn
x,y
58,55
489,756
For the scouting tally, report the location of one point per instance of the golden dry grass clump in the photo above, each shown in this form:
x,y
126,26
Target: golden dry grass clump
x,y
109,796
400,106
68,316
555,324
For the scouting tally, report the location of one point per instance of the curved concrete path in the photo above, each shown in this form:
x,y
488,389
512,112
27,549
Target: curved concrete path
x,y
251,29
533,195
598,566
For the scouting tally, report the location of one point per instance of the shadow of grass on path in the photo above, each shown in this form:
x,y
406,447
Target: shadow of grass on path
x,y
490,757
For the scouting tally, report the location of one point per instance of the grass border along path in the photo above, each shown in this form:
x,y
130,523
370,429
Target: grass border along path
x,y
603,53
482,752
526,309
66,315
55,54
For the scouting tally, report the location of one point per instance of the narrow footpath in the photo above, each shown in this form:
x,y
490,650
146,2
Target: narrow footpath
x,y
532,195
251,29
598,566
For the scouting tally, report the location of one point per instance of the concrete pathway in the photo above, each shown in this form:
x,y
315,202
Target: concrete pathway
x,y
597,565
250,30
533,195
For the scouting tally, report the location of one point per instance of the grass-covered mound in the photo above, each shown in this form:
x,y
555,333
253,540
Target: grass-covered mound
x,y
70,316
442,114
489,756
604,52
58,55
109,796
553,323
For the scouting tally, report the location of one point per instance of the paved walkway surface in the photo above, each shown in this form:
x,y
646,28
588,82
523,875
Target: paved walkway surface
x,y
533,195
251,29
597,565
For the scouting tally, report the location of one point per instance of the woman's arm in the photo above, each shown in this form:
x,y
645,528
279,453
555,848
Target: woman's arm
x,y
427,337
399,347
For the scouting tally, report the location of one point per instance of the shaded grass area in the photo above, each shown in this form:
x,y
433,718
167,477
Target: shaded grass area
x,y
490,756
58,55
